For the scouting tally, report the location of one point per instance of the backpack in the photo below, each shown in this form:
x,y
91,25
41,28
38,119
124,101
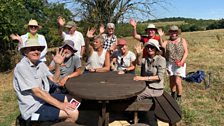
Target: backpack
x,y
197,76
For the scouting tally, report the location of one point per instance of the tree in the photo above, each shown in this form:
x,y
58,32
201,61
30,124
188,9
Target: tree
x,y
104,11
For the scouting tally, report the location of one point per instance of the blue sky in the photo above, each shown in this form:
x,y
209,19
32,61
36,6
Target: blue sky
x,y
199,9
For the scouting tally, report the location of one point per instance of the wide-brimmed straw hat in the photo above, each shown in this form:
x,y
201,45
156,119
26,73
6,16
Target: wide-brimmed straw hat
x,y
70,24
69,43
151,26
32,23
154,43
31,43
174,28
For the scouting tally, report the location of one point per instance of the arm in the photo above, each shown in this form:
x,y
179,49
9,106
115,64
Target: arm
x,y
74,74
135,34
139,53
185,51
58,59
161,33
101,29
61,23
106,67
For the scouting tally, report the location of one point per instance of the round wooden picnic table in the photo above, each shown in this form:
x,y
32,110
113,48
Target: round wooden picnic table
x,y
105,87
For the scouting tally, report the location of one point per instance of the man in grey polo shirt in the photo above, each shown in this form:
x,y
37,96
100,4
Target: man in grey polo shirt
x,y
71,67
31,84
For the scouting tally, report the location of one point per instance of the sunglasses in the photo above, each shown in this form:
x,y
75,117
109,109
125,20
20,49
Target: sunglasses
x,y
150,46
33,26
35,49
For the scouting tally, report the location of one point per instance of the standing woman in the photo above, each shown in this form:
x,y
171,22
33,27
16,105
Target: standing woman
x,y
33,28
176,54
153,69
110,39
124,59
99,59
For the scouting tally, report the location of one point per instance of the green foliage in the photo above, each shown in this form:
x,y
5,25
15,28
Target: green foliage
x,y
15,14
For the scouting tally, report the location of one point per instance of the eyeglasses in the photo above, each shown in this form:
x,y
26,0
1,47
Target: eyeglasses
x,y
120,46
151,47
35,48
33,26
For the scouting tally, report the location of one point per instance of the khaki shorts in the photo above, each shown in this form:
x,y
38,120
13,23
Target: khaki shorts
x,y
175,70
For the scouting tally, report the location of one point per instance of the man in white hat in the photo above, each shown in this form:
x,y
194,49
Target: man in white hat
x,y
31,83
72,34
151,34
33,27
71,67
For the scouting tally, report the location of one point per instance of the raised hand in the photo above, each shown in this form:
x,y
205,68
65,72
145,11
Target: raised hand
x,y
59,57
138,48
61,21
90,32
133,23
16,37
102,29
160,32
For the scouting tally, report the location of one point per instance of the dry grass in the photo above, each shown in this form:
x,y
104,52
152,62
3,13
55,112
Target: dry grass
x,y
200,107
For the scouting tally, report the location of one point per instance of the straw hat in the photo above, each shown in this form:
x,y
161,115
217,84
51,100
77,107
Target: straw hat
x,y
154,43
174,28
31,43
151,26
33,23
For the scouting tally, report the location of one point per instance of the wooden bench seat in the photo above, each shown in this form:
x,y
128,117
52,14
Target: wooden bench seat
x,y
167,109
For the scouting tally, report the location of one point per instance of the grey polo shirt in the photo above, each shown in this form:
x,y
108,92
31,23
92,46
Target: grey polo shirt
x,y
155,66
70,65
26,77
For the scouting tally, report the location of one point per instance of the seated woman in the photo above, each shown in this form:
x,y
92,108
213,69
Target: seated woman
x,y
152,70
99,58
123,59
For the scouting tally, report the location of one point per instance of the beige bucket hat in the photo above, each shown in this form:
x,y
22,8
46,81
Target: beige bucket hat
x,y
154,43
31,43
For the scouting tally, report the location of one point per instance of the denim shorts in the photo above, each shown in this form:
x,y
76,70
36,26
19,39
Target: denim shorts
x,y
48,112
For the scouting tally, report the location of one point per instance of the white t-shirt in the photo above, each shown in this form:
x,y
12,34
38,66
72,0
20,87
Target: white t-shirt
x,y
121,65
78,40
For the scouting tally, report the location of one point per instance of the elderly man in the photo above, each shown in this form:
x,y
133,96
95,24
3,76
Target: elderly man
x,y
31,83
71,67
73,35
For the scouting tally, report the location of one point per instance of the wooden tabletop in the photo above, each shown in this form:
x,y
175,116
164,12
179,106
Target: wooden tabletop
x,y
104,86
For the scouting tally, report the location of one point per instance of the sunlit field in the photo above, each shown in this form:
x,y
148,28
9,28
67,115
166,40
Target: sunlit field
x,y
200,106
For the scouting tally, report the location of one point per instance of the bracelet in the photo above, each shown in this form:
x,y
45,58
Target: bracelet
x,y
68,76
148,78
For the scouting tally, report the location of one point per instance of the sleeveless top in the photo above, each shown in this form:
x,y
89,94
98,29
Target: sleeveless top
x,y
96,61
174,51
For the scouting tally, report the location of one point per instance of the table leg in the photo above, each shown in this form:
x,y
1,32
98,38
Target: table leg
x,y
104,115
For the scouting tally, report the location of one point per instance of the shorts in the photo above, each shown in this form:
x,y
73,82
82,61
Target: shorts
x,y
175,70
48,112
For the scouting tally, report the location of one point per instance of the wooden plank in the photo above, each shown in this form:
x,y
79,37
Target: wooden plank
x,y
167,109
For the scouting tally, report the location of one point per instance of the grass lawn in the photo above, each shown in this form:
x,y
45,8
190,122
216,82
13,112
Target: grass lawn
x,y
200,107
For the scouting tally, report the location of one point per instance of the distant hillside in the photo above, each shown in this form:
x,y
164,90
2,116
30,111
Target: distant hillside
x,y
185,24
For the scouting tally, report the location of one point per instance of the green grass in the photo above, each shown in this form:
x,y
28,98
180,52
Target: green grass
x,y
200,107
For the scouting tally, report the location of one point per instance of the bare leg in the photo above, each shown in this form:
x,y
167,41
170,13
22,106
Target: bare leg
x,y
179,85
